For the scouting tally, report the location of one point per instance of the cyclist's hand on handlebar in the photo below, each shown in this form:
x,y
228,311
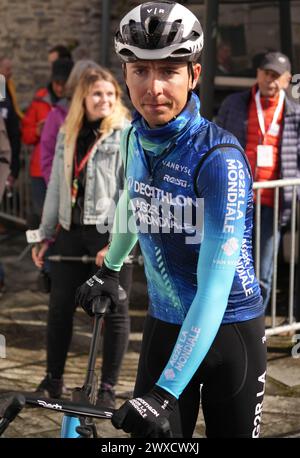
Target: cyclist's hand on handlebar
x,y
105,282
146,416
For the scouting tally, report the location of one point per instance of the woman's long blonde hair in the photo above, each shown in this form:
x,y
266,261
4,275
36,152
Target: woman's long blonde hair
x,y
75,117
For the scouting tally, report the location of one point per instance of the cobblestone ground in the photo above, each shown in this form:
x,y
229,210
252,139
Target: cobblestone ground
x,y
23,311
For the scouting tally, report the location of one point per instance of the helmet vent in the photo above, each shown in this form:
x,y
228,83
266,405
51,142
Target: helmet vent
x,y
151,24
159,30
176,29
181,52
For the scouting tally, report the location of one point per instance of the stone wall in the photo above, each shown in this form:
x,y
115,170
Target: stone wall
x,y
31,27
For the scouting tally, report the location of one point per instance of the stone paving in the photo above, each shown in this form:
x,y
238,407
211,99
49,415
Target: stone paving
x,y
23,311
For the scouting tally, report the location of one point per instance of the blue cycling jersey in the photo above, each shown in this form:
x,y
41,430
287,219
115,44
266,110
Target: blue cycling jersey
x,y
190,188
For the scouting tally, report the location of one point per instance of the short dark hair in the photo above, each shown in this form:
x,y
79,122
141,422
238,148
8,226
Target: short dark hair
x,y
61,69
62,51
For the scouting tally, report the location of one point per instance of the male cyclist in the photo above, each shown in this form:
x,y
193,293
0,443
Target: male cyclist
x,y
189,190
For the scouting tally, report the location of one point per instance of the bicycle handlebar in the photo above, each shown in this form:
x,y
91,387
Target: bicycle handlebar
x,y
69,407
101,305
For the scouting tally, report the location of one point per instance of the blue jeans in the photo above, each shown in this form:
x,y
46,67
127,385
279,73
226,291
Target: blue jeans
x,y
266,252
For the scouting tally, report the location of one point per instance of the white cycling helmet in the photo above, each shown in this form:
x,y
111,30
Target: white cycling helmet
x,y
159,30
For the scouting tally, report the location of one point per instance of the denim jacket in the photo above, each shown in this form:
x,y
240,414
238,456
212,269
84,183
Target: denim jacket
x,y
104,180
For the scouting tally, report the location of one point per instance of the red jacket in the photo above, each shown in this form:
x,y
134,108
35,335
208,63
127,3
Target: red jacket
x,y
37,112
254,138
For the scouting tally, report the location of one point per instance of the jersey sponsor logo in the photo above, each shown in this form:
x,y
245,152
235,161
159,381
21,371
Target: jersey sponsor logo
x,y
48,405
161,211
169,374
259,406
235,195
147,190
184,348
91,281
143,407
245,269
177,167
177,181
231,246
158,215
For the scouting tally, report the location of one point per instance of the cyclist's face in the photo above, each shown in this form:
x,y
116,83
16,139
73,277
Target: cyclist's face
x,y
159,89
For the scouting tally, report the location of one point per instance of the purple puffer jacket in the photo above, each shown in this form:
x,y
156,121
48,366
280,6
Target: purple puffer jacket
x,y
52,125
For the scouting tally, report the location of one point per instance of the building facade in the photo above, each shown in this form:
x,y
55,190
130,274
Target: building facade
x,y
29,29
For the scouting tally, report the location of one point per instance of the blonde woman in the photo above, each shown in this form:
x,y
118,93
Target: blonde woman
x,y
57,116
87,170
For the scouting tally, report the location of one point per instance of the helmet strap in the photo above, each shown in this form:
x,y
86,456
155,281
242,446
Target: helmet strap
x,y
191,70
125,75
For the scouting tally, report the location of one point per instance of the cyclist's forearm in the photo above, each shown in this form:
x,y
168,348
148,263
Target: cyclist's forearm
x,y
124,235
197,332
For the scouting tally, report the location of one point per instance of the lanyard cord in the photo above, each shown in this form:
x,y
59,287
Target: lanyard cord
x,y
260,114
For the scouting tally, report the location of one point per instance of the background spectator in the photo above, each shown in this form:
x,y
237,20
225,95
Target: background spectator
x,y
266,123
32,126
11,114
5,156
224,59
58,52
57,116
86,177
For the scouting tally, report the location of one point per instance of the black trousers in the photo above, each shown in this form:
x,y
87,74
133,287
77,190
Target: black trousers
x,y
65,278
232,378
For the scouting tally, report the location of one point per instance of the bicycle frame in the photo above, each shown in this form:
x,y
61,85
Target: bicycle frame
x,y
68,407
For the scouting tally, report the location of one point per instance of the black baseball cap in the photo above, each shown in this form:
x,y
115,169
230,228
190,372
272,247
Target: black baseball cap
x,y
276,61
61,69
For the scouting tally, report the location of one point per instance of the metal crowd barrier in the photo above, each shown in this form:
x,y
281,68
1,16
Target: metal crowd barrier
x,y
276,185
16,202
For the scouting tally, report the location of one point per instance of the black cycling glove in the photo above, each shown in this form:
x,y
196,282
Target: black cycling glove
x,y
146,416
105,282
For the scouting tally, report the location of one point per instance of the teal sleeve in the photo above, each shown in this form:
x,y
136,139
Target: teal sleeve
x,y
124,234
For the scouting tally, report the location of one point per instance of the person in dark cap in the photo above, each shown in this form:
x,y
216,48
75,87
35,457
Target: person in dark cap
x,y
61,69
277,62
266,124
58,52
